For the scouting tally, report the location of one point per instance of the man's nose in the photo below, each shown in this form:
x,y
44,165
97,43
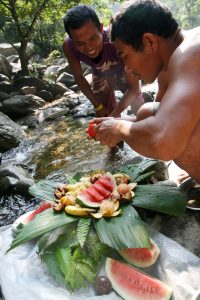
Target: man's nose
x,y
88,47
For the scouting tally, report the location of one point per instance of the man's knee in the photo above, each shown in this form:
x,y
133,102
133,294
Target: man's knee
x,y
147,110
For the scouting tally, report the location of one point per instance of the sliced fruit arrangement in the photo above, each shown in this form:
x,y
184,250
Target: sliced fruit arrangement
x,y
98,195
141,257
98,192
130,283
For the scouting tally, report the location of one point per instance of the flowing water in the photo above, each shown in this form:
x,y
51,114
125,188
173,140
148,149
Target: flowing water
x,y
55,150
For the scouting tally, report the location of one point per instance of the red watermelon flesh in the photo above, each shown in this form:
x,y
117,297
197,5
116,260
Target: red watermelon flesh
x,y
107,183
101,190
141,257
95,194
37,211
131,283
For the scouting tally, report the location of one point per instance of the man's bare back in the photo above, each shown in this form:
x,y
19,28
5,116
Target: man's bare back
x,y
184,67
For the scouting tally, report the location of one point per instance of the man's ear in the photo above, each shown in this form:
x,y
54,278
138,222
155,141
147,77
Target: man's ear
x,y
150,42
101,27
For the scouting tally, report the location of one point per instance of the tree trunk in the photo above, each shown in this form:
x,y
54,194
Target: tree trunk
x,y
23,58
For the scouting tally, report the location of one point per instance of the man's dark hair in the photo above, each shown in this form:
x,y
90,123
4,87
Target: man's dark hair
x,y
140,17
77,16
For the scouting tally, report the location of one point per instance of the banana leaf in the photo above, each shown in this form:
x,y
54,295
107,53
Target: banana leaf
x,y
44,189
124,231
41,224
160,198
138,171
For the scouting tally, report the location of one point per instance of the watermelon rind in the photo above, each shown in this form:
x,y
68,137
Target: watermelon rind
x,y
132,284
83,199
141,257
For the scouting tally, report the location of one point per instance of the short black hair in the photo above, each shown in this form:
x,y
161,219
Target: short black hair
x,y
77,16
140,17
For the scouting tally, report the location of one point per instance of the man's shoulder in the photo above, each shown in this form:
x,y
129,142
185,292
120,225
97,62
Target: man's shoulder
x,y
188,52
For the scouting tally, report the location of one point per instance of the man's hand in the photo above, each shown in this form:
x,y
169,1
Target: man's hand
x,y
107,131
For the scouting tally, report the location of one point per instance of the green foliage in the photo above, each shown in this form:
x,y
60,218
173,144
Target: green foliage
x,y
41,224
160,198
124,231
83,230
53,55
44,190
139,171
187,12
66,260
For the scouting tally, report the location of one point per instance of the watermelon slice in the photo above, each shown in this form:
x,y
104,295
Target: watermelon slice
x,y
131,283
141,257
100,191
29,217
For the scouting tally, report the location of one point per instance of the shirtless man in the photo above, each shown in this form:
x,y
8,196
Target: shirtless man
x,y
155,43
89,42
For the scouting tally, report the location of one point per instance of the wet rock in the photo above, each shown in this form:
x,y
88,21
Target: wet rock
x,y
74,88
51,114
59,89
6,87
21,81
45,95
13,58
83,110
22,105
3,96
26,90
4,78
51,72
148,96
5,66
66,79
63,69
14,179
10,133
8,50
161,172
72,101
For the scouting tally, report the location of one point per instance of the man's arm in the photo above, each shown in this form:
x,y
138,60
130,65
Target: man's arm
x,y
165,135
82,83
130,95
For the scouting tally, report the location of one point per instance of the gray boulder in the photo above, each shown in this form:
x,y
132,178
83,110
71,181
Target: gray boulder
x,y
3,96
8,50
51,113
58,89
10,133
22,105
13,58
45,95
5,66
6,87
51,72
39,84
66,79
4,78
15,179
26,90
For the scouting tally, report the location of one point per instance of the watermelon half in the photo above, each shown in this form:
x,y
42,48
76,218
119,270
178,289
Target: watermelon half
x,y
141,257
131,283
100,191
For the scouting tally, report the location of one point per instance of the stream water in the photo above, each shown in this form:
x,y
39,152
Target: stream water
x,y
52,151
